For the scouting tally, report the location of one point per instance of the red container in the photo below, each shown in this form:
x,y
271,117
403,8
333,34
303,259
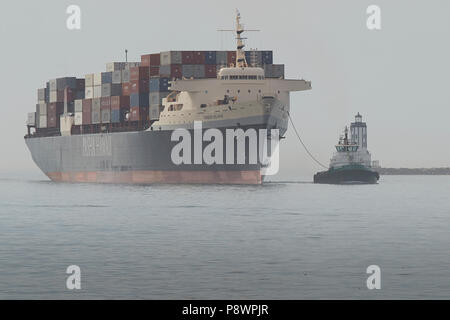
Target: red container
x,y
231,58
138,113
120,102
126,89
69,95
145,60
140,86
139,73
87,117
155,59
154,71
199,57
55,108
187,57
176,71
87,105
210,71
105,103
53,120
150,60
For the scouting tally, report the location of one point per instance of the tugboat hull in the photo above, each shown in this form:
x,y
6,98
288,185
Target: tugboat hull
x,y
347,176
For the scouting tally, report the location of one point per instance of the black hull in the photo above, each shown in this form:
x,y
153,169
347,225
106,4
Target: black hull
x,y
349,176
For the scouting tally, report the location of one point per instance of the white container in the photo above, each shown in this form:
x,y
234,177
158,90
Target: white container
x,y
95,117
98,91
41,109
79,105
98,79
96,105
106,90
89,92
41,94
117,77
53,96
125,76
31,119
78,118
42,121
52,85
170,57
89,80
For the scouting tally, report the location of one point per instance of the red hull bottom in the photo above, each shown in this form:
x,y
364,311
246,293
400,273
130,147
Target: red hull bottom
x,y
252,177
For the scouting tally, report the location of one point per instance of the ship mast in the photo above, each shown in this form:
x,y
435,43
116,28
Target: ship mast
x,y
240,53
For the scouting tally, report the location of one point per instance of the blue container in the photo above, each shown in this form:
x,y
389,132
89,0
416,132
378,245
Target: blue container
x,y
159,84
117,116
106,77
47,95
139,100
210,57
79,94
267,57
70,107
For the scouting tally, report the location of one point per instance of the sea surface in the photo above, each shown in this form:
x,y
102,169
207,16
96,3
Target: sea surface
x,y
281,240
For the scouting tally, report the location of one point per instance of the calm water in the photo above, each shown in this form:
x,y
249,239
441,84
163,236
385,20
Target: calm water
x,y
277,241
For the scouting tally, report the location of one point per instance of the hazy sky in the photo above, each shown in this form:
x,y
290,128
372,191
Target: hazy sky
x,y
398,78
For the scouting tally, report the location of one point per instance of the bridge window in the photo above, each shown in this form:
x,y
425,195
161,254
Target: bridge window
x,y
233,77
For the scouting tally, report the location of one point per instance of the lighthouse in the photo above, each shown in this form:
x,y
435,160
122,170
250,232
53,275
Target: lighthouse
x,y
358,132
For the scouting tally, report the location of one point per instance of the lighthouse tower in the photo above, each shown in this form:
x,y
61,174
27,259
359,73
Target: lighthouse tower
x,y
358,132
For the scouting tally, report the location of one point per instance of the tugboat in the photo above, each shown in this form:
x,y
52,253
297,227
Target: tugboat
x,y
351,163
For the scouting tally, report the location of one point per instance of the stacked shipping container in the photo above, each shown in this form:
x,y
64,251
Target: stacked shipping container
x,y
56,98
134,91
107,94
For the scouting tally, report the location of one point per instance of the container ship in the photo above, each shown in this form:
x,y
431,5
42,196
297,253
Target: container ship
x,y
117,126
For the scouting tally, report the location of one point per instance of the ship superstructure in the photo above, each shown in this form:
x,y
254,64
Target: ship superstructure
x,y
239,96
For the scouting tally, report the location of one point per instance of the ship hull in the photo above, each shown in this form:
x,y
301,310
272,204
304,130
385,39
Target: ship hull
x,y
347,176
141,157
